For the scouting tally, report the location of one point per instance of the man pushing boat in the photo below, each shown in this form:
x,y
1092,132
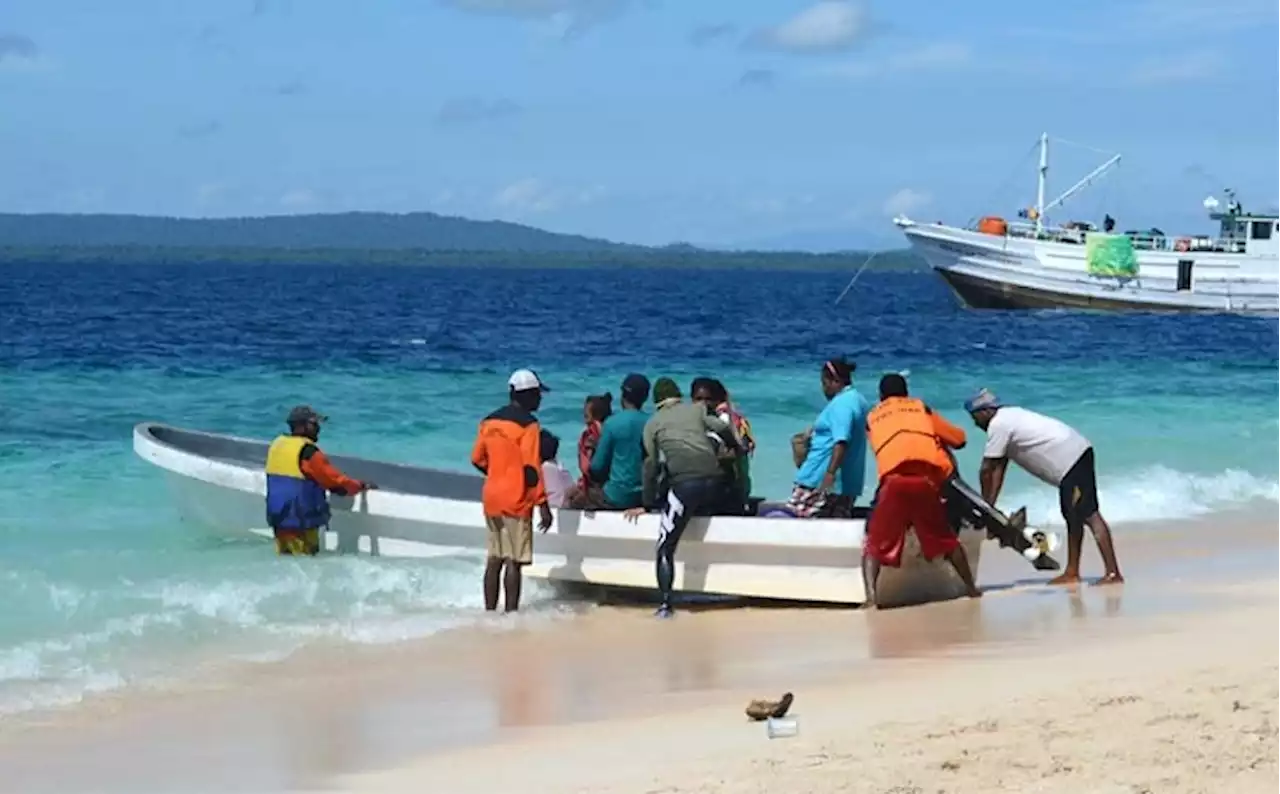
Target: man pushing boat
x,y
1055,453
298,477
910,443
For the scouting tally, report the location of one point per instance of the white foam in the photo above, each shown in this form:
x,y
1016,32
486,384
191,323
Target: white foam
x,y
1153,493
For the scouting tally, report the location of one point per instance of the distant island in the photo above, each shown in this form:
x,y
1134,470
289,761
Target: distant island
x,y
416,238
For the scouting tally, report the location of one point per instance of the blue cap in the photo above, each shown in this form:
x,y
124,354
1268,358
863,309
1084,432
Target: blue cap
x,y
984,398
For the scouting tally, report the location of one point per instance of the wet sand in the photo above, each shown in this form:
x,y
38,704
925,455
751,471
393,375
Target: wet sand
x,y
1172,675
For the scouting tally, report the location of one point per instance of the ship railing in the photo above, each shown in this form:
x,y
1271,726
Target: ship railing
x,y
1141,241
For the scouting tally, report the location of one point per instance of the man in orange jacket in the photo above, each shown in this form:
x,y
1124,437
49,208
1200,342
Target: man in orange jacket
x,y
508,453
910,443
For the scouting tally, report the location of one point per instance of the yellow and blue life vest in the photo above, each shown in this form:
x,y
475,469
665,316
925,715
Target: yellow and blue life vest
x,y
293,500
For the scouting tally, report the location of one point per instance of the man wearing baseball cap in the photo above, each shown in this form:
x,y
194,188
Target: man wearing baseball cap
x,y
298,476
508,452
1055,453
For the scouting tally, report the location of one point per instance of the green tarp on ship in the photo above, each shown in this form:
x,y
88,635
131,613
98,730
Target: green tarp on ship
x,y
1110,255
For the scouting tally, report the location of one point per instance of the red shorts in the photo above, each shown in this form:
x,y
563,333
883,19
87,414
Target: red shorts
x,y
904,501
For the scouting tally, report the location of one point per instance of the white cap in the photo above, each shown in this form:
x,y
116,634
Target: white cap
x,y
525,380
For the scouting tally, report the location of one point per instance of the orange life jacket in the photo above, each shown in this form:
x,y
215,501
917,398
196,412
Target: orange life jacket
x,y
900,431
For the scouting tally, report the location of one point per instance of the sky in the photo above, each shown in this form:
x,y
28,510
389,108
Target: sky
x,y
717,122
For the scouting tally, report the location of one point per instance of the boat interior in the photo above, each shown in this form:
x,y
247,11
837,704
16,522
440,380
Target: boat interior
x,y
399,477
416,480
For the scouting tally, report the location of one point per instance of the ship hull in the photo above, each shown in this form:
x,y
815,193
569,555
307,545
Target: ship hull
x,y
975,292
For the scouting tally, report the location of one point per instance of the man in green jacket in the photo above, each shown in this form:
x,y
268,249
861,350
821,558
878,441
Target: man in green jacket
x,y
696,483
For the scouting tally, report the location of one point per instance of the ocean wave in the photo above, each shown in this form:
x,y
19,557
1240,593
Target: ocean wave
x,y
259,612
1154,493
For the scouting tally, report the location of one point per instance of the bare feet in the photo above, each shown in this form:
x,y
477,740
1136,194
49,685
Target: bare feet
x,y
1066,578
975,593
1111,578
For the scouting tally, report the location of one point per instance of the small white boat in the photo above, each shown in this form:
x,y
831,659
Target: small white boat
x,y
219,484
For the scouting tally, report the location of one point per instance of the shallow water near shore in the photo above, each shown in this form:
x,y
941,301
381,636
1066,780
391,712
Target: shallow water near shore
x,y
340,709
106,588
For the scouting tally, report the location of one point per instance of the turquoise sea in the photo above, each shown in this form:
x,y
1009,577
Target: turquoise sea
x,y
103,587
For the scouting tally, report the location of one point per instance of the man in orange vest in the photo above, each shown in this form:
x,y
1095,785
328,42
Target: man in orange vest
x,y
910,443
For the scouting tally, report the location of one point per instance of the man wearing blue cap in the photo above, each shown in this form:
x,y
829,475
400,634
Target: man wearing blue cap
x,y
1056,453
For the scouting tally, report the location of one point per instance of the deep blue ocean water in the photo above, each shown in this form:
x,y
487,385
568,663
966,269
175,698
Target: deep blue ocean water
x,y
103,587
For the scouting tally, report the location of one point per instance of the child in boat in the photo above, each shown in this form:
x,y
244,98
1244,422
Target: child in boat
x,y
728,413
737,465
557,478
595,410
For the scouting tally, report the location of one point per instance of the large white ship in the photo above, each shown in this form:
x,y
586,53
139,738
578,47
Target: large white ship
x,y
1029,263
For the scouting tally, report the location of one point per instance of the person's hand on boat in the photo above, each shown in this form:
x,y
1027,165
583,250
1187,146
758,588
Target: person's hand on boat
x,y
544,517
633,514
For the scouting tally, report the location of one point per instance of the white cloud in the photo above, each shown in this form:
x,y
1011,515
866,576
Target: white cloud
x,y
567,17
827,26
209,192
906,201
931,57
1188,68
298,198
532,195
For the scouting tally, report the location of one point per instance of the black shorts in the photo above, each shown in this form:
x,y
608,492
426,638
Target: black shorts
x,y
1078,493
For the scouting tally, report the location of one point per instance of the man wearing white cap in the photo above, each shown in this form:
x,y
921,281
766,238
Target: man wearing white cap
x,y
1056,453
508,452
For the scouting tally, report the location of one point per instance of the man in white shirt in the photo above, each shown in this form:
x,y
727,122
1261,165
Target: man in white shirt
x,y
1056,453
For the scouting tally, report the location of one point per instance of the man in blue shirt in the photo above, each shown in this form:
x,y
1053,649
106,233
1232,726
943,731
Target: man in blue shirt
x,y
833,472
619,457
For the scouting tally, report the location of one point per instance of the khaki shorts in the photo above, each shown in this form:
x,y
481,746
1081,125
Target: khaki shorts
x,y
510,538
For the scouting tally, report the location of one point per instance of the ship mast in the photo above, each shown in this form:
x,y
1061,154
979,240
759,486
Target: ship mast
x,y
1040,181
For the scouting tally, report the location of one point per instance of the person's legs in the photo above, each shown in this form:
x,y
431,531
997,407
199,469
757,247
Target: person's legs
x,y
297,542
671,524
806,502
1106,547
518,539
885,535
1085,508
929,517
493,562
511,580
492,581
1078,499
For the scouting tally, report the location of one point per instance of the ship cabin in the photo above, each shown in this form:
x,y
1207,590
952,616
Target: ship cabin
x,y
1253,233
1239,232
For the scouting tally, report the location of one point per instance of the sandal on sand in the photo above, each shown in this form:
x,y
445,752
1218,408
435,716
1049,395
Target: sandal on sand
x,y
764,709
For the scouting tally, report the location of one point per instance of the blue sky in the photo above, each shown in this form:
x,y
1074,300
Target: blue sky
x,y
712,121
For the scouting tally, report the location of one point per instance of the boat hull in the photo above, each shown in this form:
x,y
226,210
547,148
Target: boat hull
x,y
218,486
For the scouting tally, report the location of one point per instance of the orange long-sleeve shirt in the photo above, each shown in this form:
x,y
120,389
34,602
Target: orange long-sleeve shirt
x,y
315,465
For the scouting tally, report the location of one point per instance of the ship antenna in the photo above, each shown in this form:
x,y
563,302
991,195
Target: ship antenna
x,y
1041,180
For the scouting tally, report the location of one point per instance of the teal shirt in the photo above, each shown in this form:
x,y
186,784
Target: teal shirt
x,y
843,419
620,453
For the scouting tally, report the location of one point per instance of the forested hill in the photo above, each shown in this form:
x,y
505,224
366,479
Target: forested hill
x,y
349,230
